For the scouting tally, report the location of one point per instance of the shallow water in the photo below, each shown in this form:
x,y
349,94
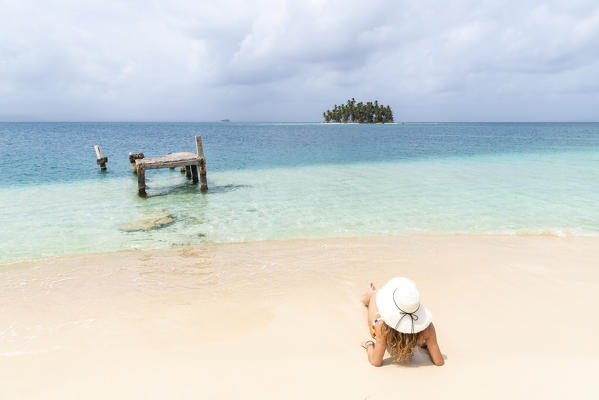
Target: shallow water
x,y
274,181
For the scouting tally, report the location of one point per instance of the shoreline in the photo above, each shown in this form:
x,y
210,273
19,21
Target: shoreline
x,y
523,234
283,319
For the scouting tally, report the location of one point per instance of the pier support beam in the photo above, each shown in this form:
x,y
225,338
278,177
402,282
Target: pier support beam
x,y
141,181
188,172
194,173
203,180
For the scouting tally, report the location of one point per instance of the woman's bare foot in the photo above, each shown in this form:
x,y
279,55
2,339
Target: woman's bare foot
x,y
366,296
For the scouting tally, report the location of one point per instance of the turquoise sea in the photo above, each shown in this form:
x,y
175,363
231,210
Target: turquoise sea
x,y
287,180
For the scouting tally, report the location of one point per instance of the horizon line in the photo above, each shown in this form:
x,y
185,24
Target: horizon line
x,y
287,122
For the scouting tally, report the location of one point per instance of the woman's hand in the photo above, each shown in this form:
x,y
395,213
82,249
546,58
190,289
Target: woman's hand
x,y
367,343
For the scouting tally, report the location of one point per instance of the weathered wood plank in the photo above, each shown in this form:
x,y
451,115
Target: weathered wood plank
x,y
170,160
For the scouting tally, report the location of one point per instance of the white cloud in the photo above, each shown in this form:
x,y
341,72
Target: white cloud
x,y
288,60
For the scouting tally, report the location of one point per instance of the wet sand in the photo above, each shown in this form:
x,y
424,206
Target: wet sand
x,y
515,318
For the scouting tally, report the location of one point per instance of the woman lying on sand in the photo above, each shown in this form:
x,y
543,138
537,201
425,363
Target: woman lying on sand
x,y
398,323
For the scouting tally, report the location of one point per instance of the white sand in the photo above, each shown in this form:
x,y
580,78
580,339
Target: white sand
x,y
516,317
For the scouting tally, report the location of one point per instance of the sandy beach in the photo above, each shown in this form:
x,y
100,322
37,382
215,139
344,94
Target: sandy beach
x,y
515,318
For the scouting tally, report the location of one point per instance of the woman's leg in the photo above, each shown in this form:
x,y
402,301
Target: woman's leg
x,y
369,300
366,296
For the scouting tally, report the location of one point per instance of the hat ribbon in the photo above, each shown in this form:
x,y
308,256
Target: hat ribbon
x,y
403,313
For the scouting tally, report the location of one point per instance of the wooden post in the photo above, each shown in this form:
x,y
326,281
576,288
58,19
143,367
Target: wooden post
x,y
199,147
141,181
202,163
187,171
101,161
132,158
194,173
204,185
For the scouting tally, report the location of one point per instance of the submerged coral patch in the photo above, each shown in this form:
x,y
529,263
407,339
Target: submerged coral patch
x,y
148,221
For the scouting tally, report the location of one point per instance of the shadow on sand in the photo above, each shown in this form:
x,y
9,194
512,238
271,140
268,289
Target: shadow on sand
x,y
420,359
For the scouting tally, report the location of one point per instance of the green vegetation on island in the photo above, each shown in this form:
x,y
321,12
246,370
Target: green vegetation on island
x,y
363,113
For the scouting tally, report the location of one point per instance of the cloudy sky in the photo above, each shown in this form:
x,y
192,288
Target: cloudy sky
x,y
278,60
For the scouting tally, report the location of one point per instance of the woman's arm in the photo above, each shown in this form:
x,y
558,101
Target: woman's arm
x,y
376,352
432,346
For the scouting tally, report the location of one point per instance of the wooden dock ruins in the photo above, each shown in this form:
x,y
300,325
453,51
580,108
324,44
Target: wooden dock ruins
x,y
190,161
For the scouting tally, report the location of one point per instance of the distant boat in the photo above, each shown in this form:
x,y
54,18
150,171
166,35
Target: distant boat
x,y
225,120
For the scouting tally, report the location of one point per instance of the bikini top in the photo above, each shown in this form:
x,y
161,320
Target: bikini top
x,y
372,331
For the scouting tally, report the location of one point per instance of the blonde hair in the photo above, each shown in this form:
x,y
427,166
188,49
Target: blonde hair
x,y
400,345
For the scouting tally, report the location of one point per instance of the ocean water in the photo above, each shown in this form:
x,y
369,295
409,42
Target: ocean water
x,y
282,181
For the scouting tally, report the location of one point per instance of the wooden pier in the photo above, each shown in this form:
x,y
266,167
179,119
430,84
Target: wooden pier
x,y
190,161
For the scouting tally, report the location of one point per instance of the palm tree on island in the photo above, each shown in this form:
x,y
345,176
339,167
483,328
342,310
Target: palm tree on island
x,y
361,113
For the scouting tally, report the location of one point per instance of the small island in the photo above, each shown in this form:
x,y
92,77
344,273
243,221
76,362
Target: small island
x,y
360,113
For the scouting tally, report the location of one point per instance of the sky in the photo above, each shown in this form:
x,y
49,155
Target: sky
x,y
278,60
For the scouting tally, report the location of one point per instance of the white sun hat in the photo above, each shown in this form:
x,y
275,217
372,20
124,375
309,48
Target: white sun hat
x,y
399,306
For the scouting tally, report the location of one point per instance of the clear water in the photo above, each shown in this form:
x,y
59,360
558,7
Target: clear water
x,y
278,181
